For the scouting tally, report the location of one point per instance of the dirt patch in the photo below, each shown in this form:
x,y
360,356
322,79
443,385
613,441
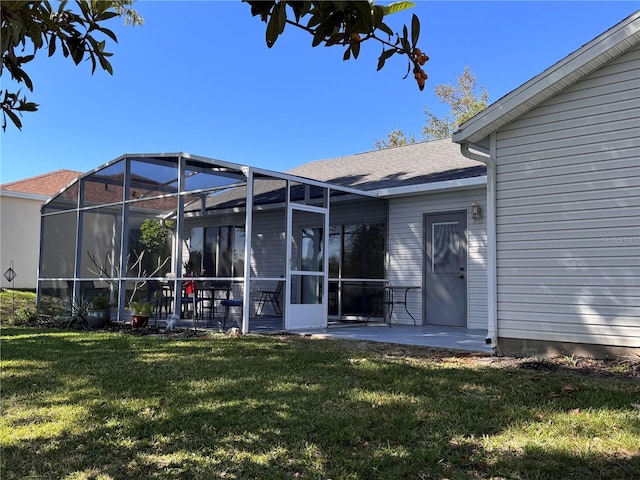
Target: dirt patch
x,y
627,367
620,367
125,328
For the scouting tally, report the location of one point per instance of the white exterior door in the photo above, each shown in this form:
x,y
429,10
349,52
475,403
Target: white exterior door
x,y
307,280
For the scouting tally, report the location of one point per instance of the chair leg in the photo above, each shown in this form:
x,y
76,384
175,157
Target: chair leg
x,y
275,303
225,317
260,307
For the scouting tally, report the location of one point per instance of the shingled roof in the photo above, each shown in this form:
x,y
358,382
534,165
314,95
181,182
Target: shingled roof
x,y
46,185
415,164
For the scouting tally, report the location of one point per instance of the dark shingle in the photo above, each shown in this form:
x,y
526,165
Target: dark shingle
x,y
415,164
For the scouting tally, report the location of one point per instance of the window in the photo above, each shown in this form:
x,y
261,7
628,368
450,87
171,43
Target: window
x,y
355,252
445,246
363,251
217,251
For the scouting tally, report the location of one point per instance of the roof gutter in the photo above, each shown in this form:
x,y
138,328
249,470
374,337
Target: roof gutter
x,y
487,156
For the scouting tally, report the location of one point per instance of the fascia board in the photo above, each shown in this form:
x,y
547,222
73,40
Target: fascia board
x,y
23,195
564,73
460,184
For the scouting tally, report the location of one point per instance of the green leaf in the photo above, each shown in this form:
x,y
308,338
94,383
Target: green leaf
x,y
415,30
104,63
14,118
378,15
76,50
28,107
318,37
365,16
108,33
347,54
106,16
277,22
261,8
385,28
99,7
386,54
340,6
398,7
273,29
314,20
355,49
35,34
27,80
52,46
84,7
335,39
282,16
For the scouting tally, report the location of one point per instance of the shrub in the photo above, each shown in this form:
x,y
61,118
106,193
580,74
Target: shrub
x,y
142,308
24,316
101,302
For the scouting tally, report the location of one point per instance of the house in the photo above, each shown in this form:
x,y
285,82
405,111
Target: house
x,y
563,157
429,189
339,233
20,203
527,226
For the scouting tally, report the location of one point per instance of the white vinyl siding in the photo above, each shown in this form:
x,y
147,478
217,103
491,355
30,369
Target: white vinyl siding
x,y
406,249
568,213
20,240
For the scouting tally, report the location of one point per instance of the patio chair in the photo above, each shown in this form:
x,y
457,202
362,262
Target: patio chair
x,y
156,296
190,296
272,297
227,304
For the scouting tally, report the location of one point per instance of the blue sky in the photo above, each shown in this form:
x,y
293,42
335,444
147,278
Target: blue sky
x,y
198,78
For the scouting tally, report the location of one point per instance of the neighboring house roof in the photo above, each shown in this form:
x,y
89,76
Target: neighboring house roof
x,y
604,48
44,185
414,164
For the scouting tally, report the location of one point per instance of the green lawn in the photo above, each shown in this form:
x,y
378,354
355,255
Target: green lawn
x,y
116,406
15,299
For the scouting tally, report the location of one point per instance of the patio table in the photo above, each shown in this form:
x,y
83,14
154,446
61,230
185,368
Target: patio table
x,y
391,299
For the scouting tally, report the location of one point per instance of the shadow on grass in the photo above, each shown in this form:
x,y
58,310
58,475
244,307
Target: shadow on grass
x,y
257,407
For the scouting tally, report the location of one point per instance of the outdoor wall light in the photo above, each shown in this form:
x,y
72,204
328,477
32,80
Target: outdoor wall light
x,y
476,211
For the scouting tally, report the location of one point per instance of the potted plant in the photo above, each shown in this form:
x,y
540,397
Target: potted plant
x,y
76,312
140,313
99,312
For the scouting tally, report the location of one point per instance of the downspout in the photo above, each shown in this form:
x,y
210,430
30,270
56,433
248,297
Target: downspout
x,y
488,158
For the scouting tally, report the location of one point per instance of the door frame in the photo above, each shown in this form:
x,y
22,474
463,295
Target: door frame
x,y
425,261
318,311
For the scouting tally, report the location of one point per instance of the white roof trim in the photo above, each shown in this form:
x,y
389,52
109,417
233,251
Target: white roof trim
x,y
26,196
458,184
564,73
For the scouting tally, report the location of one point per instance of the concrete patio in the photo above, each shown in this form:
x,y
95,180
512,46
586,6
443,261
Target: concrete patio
x,y
426,336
